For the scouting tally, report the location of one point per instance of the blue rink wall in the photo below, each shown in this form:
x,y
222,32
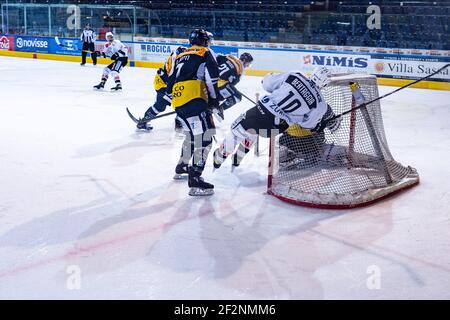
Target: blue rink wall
x,y
391,68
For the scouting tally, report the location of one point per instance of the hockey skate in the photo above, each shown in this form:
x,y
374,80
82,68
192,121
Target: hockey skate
x,y
117,88
100,86
144,125
181,172
198,186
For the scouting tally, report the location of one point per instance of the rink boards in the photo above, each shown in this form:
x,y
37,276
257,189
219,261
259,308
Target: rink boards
x,y
391,67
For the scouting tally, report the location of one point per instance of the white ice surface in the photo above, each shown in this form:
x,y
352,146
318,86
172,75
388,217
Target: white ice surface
x,y
79,187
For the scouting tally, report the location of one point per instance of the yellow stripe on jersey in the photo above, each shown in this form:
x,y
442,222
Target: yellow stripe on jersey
x,y
222,83
168,65
159,83
197,50
186,91
296,131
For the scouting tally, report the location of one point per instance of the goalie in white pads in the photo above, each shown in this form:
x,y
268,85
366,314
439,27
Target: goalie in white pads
x,y
117,51
293,99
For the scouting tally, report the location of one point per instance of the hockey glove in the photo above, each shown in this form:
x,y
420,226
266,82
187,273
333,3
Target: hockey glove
x,y
213,104
100,54
115,56
326,122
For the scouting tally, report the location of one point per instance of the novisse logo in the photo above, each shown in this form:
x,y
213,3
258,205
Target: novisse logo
x,y
31,43
336,61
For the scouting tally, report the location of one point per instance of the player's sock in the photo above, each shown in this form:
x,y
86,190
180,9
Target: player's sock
x,y
242,150
118,84
219,158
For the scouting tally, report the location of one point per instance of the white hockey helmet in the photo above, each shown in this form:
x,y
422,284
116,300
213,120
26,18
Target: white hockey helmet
x,y
321,77
210,37
109,34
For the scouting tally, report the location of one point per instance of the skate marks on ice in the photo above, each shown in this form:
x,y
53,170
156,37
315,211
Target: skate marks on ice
x,y
129,150
89,233
51,229
249,252
259,255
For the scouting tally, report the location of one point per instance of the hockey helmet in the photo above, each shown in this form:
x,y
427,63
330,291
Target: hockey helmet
x,y
210,37
246,59
109,35
321,77
199,37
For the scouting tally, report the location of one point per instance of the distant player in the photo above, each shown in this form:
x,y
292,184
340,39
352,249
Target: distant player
x,y
193,86
88,38
231,70
117,51
162,98
293,99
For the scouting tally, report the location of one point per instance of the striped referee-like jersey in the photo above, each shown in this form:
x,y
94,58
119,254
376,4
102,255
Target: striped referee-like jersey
x,y
88,36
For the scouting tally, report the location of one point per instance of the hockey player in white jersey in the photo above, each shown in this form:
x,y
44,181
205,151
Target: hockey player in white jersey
x,y
116,51
293,99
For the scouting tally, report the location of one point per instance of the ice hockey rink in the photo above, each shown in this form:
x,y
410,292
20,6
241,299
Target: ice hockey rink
x,y
84,195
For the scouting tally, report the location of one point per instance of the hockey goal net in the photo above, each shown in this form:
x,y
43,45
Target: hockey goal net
x,y
351,167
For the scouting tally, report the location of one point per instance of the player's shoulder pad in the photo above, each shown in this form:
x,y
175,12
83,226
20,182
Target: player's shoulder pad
x,y
194,50
237,63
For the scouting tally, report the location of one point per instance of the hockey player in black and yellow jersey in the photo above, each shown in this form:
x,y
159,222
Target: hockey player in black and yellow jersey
x,y
162,98
193,86
231,69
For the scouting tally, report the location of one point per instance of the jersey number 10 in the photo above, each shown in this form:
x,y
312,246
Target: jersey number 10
x,y
290,103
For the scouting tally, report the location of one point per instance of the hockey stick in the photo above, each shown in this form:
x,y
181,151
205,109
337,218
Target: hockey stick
x,y
59,43
136,120
388,94
164,115
244,95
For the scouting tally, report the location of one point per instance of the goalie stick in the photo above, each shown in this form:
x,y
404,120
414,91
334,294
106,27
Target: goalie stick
x,y
388,94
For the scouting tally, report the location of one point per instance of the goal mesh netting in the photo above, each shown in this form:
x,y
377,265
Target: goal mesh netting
x,y
349,168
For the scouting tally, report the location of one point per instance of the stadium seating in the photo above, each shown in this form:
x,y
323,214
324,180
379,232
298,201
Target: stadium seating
x,y
418,24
